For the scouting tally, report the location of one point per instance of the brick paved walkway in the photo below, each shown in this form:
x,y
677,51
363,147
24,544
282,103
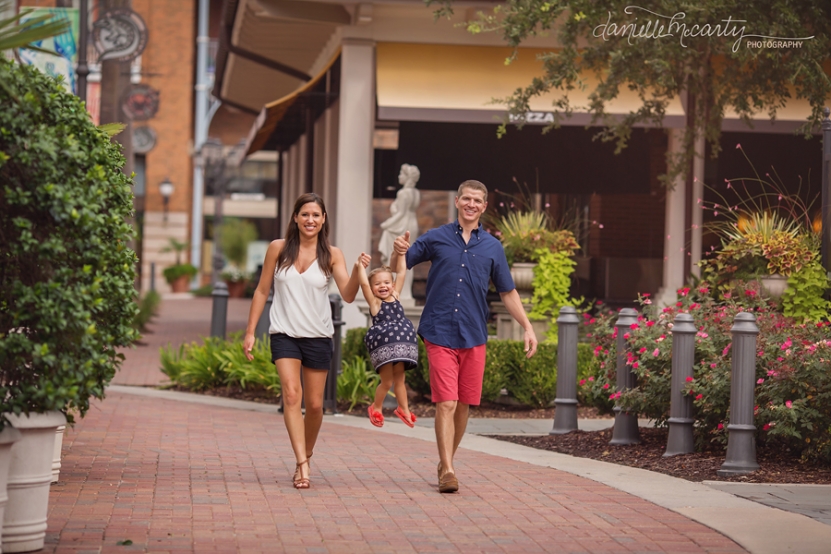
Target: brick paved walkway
x,y
172,476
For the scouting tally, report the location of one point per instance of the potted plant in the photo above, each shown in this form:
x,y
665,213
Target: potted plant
x,y
763,247
235,278
523,234
235,236
178,276
66,281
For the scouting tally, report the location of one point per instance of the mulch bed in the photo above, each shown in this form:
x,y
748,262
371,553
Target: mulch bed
x,y
777,466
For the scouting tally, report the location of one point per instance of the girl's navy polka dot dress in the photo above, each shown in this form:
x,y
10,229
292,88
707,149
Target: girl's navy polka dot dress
x,y
392,337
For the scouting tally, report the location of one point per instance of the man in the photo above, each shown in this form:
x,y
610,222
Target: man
x,y
465,258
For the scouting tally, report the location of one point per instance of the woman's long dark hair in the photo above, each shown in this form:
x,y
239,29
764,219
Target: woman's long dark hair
x,y
291,249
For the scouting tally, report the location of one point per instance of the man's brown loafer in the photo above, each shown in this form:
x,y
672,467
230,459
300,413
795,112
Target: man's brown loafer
x,y
448,482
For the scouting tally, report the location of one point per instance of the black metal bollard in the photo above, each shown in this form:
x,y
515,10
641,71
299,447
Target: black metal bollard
x,y
626,429
264,322
741,442
680,421
565,416
219,309
153,276
330,396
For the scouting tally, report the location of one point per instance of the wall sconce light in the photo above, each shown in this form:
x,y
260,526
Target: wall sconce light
x,y
166,189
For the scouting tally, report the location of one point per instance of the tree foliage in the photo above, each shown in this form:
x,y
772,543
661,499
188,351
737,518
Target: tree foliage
x,y
66,271
664,49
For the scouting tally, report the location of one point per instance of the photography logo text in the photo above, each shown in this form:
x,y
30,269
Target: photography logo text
x,y
659,26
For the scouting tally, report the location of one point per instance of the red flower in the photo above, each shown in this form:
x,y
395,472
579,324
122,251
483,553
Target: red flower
x,y
699,397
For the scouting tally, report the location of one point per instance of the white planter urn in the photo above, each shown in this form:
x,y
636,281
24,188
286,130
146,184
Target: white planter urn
x,y
523,276
774,285
8,437
56,459
30,474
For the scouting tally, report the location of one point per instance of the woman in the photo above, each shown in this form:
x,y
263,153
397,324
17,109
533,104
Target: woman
x,y
300,267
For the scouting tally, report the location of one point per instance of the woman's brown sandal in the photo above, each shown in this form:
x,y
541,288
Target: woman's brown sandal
x,y
301,482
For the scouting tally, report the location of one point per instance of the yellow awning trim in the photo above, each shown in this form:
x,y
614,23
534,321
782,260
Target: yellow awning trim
x,y
462,77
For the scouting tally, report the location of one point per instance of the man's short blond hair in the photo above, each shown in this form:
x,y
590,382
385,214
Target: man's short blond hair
x,y
475,185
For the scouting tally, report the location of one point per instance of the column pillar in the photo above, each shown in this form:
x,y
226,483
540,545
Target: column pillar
x,y
674,251
356,124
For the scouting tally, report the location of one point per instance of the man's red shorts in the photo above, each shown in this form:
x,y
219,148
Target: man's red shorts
x,y
456,373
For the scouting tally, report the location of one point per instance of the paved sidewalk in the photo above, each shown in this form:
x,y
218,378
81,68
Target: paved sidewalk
x,y
171,475
182,472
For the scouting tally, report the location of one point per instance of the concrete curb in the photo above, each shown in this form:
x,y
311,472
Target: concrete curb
x,y
759,529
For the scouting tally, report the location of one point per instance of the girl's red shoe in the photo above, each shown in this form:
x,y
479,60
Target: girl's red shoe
x,y
408,423
376,418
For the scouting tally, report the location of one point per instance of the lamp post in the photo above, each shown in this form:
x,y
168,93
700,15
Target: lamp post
x,y
213,164
166,190
83,41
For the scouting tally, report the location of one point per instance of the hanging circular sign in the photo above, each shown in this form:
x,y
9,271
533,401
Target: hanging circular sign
x,y
120,34
144,139
140,103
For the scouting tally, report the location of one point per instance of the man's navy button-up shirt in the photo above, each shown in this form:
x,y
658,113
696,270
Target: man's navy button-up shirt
x,y
456,312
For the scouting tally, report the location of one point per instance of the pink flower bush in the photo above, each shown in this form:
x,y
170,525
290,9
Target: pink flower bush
x,y
793,381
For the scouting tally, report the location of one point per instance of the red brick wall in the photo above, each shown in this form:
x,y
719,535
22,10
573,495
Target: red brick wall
x,y
167,65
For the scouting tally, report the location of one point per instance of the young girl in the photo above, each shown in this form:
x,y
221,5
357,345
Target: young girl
x,y
391,341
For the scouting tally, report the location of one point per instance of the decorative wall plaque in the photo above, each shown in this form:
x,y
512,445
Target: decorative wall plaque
x,y
120,34
144,139
140,102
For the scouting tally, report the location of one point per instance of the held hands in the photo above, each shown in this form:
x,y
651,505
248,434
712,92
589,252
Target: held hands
x,y
363,261
402,243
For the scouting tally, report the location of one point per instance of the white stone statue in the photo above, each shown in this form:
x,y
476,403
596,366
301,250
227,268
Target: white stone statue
x,y
402,218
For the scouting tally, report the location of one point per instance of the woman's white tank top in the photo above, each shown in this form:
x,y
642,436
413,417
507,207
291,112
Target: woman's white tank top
x,y
300,308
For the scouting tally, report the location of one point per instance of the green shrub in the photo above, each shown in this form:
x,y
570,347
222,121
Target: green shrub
x,y
204,291
171,361
500,364
353,346
793,384
531,382
66,272
235,235
357,383
418,378
148,307
804,299
218,362
534,381
260,372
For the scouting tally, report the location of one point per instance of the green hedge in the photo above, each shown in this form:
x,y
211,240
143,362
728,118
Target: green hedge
x,y
218,362
531,382
67,300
